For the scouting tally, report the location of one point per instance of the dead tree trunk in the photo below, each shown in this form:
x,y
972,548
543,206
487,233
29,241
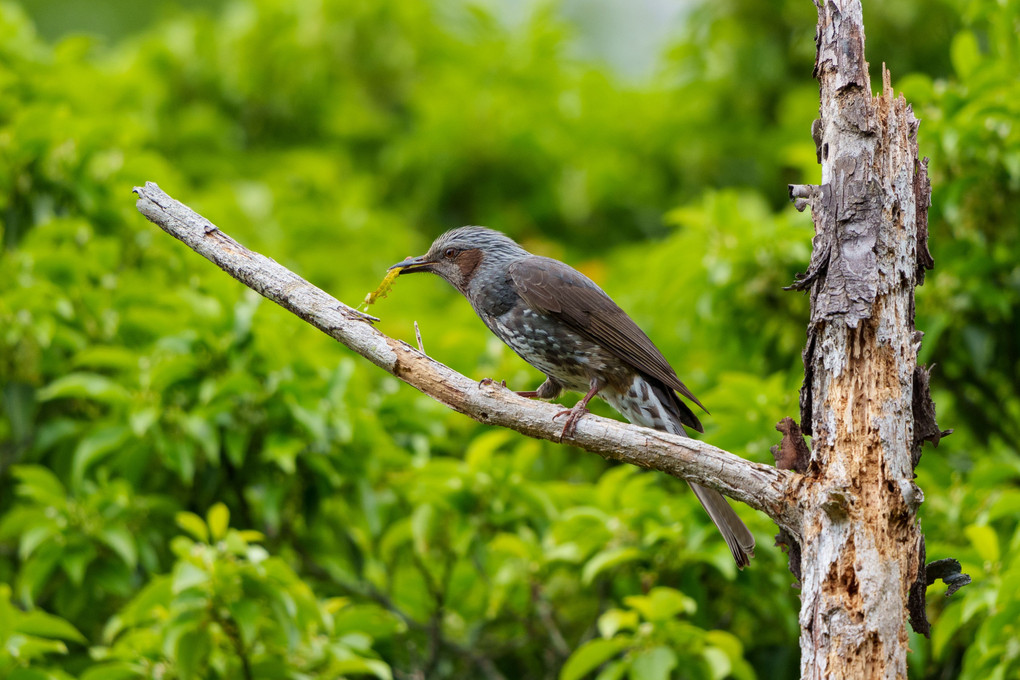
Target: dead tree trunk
x,y
861,544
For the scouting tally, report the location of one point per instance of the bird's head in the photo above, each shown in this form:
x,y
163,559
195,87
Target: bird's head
x,y
461,254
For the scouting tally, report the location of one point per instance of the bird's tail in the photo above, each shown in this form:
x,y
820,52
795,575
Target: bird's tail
x,y
737,536
659,407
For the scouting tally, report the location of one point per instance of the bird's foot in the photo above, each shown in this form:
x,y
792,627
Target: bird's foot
x,y
533,394
573,415
490,381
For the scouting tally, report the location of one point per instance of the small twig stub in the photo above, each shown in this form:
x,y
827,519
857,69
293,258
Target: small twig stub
x,y
417,335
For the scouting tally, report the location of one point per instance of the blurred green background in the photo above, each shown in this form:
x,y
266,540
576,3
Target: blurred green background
x,y
195,484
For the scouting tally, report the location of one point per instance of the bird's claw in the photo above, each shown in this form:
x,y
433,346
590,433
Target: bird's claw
x,y
490,381
573,415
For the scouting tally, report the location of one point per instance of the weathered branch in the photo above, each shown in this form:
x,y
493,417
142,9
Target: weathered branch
x,y
762,487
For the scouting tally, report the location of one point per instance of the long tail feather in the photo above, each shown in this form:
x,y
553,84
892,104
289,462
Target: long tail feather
x,y
654,405
737,536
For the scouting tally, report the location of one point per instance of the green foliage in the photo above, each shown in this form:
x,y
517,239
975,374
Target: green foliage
x,y
195,484
646,641
228,609
29,641
971,134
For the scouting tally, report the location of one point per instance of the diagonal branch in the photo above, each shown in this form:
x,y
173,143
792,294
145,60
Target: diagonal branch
x,y
760,486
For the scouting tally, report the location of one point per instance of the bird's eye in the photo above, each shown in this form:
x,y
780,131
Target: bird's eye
x,y
450,252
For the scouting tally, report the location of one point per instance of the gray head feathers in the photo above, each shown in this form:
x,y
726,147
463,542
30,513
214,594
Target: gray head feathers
x,y
495,245
470,258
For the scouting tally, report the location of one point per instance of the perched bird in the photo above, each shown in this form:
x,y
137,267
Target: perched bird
x,y
557,319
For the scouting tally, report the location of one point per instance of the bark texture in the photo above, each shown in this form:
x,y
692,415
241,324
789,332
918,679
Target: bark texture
x,y
861,545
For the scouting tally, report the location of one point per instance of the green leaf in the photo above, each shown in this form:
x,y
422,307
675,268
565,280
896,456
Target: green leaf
x,y
122,542
653,664
41,624
965,53
606,560
194,525
617,619
34,537
245,615
395,537
103,356
590,656
218,518
614,670
39,484
367,618
251,536
32,673
18,401
916,87
948,625
142,420
155,596
37,570
191,651
118,670
20,519
77,560
29,648
179,456
661,604
727,644
1006,505
984,540
85,386
95,445
187,575
361,666
203,434
421,527
718,662
234,543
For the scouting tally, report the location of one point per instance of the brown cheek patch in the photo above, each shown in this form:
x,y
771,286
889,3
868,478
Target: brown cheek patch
x,y
468,261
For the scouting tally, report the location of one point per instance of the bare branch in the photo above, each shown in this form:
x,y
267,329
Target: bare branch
x,y
762,487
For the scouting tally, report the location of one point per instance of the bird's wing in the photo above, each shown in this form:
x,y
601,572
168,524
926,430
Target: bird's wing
x,y
561,291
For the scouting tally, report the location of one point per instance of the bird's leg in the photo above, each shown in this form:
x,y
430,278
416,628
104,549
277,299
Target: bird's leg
x,y
534,394
578,410
550,389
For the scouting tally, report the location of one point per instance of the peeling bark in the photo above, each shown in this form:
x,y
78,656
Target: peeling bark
x,y
792,453
862,549
916,600
926,428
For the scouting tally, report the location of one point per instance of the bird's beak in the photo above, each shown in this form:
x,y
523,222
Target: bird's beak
x,y
414,264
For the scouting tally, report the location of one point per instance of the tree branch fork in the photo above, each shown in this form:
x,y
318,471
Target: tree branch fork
x,y
765,488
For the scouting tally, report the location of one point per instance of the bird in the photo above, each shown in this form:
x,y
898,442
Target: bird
x,y
561,323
